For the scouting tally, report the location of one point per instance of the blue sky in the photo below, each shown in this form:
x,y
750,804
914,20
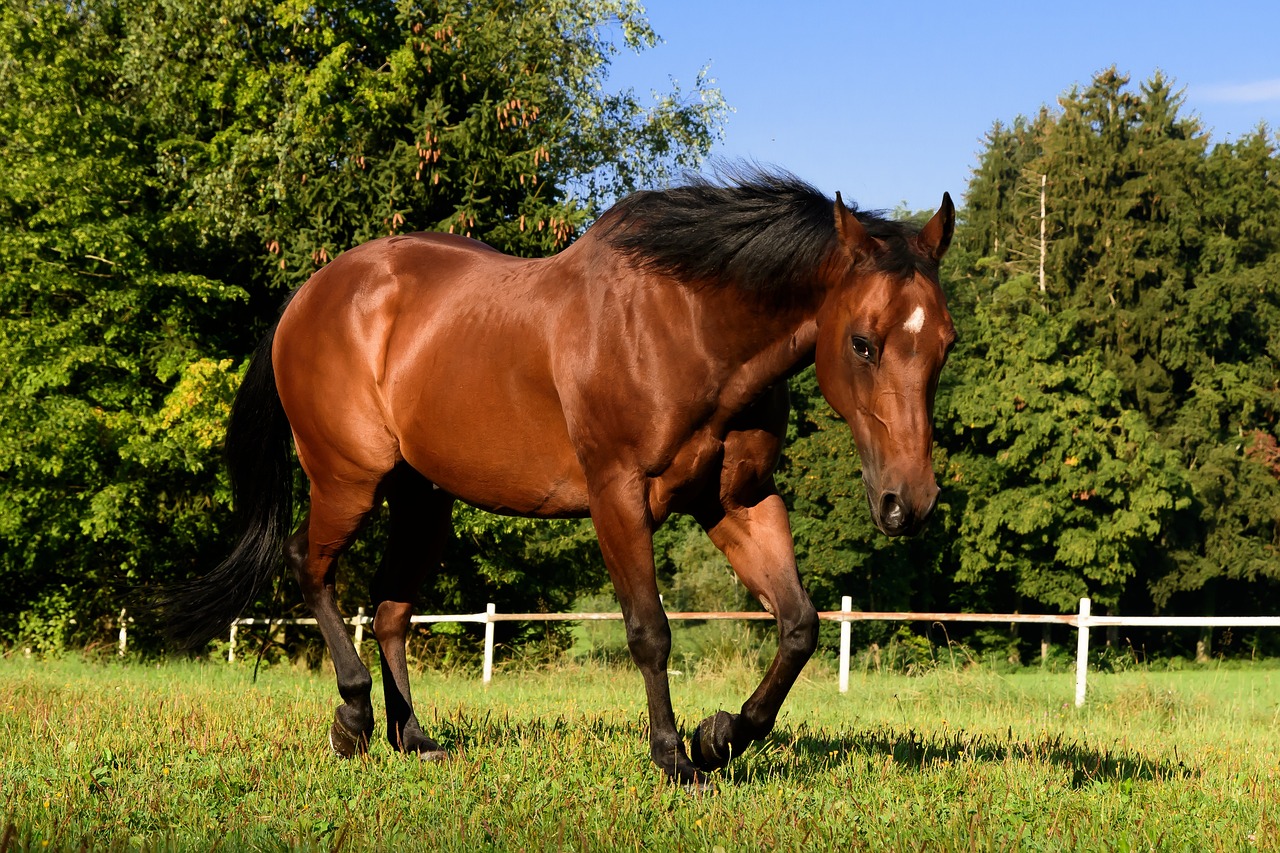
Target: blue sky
x,y
888,102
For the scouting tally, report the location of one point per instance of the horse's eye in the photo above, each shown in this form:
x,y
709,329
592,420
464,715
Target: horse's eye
x,y
862,348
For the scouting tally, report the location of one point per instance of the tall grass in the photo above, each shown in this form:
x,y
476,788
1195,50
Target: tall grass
x,y
191,755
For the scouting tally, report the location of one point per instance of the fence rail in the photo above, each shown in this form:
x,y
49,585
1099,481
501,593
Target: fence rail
x,y
1082,621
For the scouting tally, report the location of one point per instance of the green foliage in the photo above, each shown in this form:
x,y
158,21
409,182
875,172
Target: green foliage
x,y
1066,490
108,464
347,123
1160,282
1110,432
172,168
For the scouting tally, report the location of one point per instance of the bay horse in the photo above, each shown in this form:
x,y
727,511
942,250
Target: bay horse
x,y
640,372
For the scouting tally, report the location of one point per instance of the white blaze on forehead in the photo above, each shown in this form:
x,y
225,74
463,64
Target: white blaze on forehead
x,y
915,322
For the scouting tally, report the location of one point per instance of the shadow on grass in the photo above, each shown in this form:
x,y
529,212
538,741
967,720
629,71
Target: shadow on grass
x,y
460,730
800,754
818,753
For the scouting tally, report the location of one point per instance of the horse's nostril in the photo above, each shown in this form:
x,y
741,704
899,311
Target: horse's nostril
x,y
893,515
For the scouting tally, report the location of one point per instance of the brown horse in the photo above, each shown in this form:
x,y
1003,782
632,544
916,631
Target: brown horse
x,y
642,371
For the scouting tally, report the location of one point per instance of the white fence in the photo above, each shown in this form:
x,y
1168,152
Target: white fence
x,y
1082,621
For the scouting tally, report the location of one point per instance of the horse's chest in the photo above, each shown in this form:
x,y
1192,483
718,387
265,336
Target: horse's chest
x,y
694,466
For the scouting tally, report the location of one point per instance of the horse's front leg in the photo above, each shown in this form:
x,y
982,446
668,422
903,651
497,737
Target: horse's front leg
x,y
626,541
757,540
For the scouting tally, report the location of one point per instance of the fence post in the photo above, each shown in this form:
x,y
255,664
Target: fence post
x,y
231,646
489,610
359,629
846,606
1082,651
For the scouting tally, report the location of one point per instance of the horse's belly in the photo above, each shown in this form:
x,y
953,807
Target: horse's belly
x,y
528,486
505,454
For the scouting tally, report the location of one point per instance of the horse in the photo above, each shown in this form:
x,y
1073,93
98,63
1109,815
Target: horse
x,y
640,372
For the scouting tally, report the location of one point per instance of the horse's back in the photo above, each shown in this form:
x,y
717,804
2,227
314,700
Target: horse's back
x,y
434,350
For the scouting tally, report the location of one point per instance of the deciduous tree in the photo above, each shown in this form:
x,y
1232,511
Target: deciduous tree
x,y
173,168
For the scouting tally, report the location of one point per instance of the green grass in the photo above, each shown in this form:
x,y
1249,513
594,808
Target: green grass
x,y
189,755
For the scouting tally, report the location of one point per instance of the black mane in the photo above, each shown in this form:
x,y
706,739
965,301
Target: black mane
x,y
766,232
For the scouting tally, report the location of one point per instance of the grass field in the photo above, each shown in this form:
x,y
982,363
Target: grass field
x,y
192,756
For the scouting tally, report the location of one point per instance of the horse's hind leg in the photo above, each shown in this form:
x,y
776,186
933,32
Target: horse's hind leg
x,y
420,526
757,540
338,509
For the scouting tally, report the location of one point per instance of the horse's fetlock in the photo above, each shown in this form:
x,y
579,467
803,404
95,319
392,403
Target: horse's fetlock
x,y
800,637
754,724
357,692
650,648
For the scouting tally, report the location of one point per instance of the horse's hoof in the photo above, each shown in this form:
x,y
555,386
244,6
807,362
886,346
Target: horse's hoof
x,y
711,748
345,743
688,778
411,740
699,786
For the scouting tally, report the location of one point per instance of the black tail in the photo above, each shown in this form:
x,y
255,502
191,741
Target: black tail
x,y
261,467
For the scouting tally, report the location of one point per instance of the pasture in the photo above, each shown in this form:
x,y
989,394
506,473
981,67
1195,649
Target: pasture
x,y
190,755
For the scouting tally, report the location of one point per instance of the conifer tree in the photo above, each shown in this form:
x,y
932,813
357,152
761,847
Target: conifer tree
x,y
1160,264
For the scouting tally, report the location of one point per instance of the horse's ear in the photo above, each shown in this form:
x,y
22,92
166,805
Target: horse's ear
x,y
853,236
935,236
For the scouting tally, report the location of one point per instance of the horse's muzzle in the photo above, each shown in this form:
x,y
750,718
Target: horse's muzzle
x,y
895,515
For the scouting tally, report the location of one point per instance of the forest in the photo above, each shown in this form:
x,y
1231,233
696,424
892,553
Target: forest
x,y
1107,425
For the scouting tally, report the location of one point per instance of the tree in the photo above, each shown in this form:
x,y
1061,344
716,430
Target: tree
x,y
994,216
1067,492
1161,273
174,168
1113,434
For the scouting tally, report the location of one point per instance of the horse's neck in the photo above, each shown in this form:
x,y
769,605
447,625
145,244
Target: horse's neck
x,y
766,339
778,340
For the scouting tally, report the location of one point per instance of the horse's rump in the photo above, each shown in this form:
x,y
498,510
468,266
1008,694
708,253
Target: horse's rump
x,y
434,351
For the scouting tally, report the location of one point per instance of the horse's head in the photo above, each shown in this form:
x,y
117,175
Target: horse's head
x,y
883,335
